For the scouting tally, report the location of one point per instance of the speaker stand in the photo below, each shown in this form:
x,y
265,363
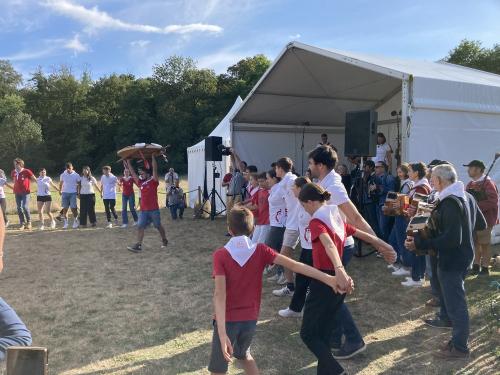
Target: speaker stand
x,y
213,197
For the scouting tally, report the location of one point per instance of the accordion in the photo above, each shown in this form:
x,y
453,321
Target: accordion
x,y
395,204
422,225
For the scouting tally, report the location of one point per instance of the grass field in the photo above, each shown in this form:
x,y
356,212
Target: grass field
x,y
103,310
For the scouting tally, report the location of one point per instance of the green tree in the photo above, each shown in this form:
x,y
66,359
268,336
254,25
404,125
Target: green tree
x,y
20,133
10,79
471,53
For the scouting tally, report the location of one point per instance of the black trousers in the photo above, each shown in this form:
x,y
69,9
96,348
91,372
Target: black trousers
x,y
87,209
301,282
109,207
322,304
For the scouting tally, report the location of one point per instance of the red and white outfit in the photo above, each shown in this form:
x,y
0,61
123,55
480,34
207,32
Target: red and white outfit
x,y
327,219
242,264
127,186
149,195
262,227
22,181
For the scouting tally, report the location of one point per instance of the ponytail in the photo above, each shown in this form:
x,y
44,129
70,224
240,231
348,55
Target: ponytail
x,y
315,193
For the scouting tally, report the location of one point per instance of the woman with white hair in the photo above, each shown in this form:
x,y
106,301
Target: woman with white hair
x,y
454,219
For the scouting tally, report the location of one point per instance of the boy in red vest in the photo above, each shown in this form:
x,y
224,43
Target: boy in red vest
x,y
237,270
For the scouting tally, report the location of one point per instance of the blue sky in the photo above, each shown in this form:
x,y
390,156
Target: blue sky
x,y
130,36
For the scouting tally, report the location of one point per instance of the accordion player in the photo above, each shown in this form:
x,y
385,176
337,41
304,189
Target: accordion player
x,y
395,204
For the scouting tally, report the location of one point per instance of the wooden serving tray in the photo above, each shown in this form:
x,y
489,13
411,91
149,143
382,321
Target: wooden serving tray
x,y
134,151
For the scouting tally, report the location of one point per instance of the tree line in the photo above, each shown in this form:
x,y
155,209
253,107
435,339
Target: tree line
x,y
56,117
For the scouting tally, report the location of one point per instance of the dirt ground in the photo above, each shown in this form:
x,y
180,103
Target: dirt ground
x,y
103,310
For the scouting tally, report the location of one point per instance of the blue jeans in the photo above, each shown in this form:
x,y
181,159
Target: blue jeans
x,y
454,306
417,266
176,207
385,223
344,323
128,201
397,240
23,208
13,332
148,217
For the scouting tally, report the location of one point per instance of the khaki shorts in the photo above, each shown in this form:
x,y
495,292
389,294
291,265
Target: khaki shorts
x,y
483,237
291,238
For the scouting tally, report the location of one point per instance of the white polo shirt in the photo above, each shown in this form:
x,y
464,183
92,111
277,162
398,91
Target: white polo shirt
x,y
332,183
3,181
70,182
277,207
381,154
109,186
291,201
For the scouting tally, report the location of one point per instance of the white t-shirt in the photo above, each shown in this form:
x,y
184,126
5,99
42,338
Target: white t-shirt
x,y
277,207
43,186
3,181
332,183
305,234
70,181
170,178
109,186
291,201
87,186
382,153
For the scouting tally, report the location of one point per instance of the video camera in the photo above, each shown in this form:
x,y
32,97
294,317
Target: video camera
x,y
224,150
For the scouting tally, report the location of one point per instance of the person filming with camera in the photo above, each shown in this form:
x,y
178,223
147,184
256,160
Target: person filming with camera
x,y
453,220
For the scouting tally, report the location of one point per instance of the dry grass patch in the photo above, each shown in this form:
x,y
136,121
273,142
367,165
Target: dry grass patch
x,y
103,310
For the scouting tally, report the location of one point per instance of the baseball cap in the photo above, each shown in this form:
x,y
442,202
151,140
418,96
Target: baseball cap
x,y
476,163
437,162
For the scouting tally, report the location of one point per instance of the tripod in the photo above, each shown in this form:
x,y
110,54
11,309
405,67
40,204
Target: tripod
x,y
212,197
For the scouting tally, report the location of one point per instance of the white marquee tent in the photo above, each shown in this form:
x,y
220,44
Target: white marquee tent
x,y
449,112
196,159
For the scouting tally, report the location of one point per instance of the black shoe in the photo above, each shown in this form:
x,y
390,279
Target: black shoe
x,y
335,346
137,248
475,270
438,323
348,351
484,271
228,234
164,243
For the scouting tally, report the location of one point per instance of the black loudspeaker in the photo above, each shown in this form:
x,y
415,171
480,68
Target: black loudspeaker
x,y
212,150
27,361
360,133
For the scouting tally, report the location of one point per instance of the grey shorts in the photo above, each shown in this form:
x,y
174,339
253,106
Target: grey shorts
x,y
275,238
241,335
291,238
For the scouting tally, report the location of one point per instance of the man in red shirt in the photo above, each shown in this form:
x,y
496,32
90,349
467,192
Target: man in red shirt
x,y
486,194
22,178
150,210
237,270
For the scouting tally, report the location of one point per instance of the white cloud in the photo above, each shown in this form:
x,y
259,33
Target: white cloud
x,y
95,19
76,45
140,43
294,37
29,54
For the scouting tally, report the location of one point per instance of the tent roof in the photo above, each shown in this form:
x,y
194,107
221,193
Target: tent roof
x,y
317,86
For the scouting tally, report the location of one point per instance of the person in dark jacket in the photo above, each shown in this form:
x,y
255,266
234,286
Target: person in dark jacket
x,y
385,183
453,221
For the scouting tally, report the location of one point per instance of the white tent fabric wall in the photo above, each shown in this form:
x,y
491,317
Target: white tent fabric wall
x,y
196,160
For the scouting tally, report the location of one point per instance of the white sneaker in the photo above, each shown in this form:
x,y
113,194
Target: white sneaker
x,y
76,224
7,224
65,226
53,224
273,277
393,267
401,272
135,224
124,226
281,280
287,313
42,227
412,283
283,292
110,225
